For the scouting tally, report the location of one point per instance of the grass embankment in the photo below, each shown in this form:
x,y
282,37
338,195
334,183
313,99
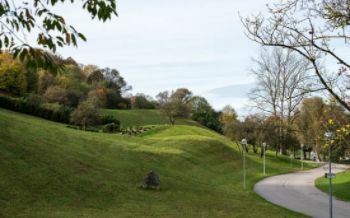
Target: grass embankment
x,y
341,185
141,117
49,170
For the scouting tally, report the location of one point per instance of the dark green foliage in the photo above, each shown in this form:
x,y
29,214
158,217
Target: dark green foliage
x,y
209,119
111,128
56,94
175,104
22,105
73,97
85,115
203,113
35,99
151,180
141,101
109,119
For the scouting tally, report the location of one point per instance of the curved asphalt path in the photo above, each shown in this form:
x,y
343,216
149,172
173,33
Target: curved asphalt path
x,y
296,191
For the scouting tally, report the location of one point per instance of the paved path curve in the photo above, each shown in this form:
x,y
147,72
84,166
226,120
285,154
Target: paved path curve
x,y
296,191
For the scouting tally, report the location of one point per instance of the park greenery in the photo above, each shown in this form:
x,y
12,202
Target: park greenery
x,y
103,139
88,95
340,185
47,168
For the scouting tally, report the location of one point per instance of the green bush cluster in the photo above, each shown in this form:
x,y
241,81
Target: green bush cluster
x,y
136,130
107,119
61,114
111,128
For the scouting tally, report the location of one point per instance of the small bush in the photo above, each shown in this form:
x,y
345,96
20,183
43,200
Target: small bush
x,y
109,119
111,127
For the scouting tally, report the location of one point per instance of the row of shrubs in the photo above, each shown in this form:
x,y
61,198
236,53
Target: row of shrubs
x,y
62,114
54,112
136,130
22,105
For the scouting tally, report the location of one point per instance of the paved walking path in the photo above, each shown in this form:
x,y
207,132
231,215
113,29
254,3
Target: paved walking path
x,y
297,192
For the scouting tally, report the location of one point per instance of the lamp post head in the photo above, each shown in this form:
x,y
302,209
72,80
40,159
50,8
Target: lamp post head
x,y
264,144
244,141
302,145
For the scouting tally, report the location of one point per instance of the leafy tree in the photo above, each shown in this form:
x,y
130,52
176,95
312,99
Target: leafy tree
x,y
86,114
228,115
95,77
32,80
312,123
56,94
115,100
203,113
141,101
89,68
113,80
13,78
20,18
176,104
70,77
45,81
98,97
74,97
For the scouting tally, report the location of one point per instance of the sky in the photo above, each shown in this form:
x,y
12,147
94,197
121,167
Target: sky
x,y
162,45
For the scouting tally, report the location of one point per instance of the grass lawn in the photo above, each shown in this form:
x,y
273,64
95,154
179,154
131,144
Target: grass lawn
x,y
142,117
341,185
49,170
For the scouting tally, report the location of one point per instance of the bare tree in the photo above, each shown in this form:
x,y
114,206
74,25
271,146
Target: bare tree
x,y
313,29
282,78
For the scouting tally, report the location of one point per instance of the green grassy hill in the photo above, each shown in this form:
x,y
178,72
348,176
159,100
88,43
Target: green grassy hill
x,y
141,117
49,170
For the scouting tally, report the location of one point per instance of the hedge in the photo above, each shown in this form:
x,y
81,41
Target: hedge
x,y
23,106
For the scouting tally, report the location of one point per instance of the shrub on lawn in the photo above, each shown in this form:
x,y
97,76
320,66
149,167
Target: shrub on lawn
x,y
109,119
111,127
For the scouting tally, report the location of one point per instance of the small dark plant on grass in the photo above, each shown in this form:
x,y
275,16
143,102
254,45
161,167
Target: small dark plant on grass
x,y
151,181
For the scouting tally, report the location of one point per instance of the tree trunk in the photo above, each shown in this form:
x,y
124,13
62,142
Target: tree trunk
x,y
293,152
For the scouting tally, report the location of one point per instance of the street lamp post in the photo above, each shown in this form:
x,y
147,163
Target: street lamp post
x,y
244,143
302,156
329,136
264,147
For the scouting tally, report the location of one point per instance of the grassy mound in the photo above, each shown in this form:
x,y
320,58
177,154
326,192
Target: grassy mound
x,y
49,170
142,117
341,185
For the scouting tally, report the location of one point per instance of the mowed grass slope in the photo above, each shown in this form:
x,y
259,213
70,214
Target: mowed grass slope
x,y
341,185
142,117
49,170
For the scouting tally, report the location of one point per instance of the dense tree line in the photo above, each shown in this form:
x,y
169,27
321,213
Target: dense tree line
x,y
313,118
73,86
